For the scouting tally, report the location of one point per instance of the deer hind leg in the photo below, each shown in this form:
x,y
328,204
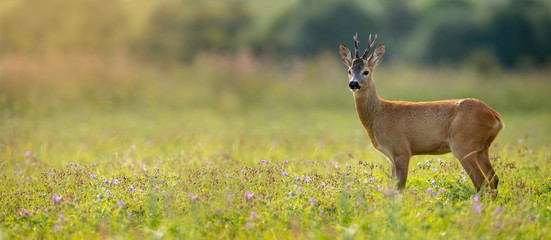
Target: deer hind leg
x,y
487,169
468,157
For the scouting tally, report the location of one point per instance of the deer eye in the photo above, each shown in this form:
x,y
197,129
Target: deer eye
x,y
365,73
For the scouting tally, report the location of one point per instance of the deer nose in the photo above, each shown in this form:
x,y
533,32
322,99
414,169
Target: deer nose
x,y
354,85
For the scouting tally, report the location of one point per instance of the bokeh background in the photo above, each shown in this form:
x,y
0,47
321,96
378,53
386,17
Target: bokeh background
x,y
199,64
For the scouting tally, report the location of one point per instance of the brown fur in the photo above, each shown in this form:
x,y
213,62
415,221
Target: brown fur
x,y
399,130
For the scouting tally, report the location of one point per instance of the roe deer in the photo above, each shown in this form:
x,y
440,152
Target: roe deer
x,y
399,130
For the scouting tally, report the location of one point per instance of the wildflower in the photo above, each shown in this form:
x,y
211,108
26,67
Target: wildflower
x,y
106,181
433,182
284,173
310,161
313,201
163,182
420,164
497,224
299,179
326,172
121,203
322,212
156,188
348,185
227,175
441,190
26,214
285,161
160,161
253,214
520,141
372,179
100,196
354,179
107,192
94,164
77,199
429,189
427,163
133,147
336,165
478,207
57,198
307,179
61,217
362,200
464,179
131,188
155,168
533,218
463,172
264,161
347,166
323,185
292,194
372,207
439,159
144,169
269,197
249,224
57,227
92,176
435,169
476,198
116,182
130,215
208,164
248,195
135,175
299,189
28,153
193,197
72,165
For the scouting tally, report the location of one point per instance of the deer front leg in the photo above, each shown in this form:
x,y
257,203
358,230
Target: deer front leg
x,y
400,169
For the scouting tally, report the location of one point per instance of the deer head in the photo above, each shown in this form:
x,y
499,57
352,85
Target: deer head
x,y
360,69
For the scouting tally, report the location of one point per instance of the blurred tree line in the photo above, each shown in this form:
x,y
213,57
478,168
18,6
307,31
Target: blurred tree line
x,y
509,33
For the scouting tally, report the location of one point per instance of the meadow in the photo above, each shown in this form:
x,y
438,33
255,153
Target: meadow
x,y
226,147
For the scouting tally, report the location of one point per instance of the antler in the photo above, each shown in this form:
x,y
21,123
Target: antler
x,y
356,45
371,44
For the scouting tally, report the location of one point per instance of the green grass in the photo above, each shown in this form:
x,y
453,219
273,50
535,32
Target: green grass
x,y
186,148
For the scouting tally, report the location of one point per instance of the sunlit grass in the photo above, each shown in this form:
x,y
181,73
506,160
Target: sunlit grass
x,y
196,152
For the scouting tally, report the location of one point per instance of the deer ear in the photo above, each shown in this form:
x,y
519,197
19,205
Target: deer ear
x,y
377,56
346,56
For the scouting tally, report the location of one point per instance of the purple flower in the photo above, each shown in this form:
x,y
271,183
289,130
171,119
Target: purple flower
x,y
478,207
313,200
420,164
310,161
326,172
441,190
73,165
463,172
284,173
520,141
285,161
135,175
347,166
57,227
163,182
144,168
429,189
106,181
307,179
427,163
292,194
156,188
499,209
323,185
26,214
299,179
354,179
348,185
497,224
121,203
362,200
100,196
253,214
193,197
92,176
249,224
464,179
28,153
336,165
322,212
248,195
227,175
533,218
133,147
435,169
299,189
61,217
94,164
433,182
160,161
264,161
208,164
372,179
116,182
131,188
439,159
107,192
57,198
155,168
476,198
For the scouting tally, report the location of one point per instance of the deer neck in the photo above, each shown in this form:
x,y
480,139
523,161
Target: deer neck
x,y
368,106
